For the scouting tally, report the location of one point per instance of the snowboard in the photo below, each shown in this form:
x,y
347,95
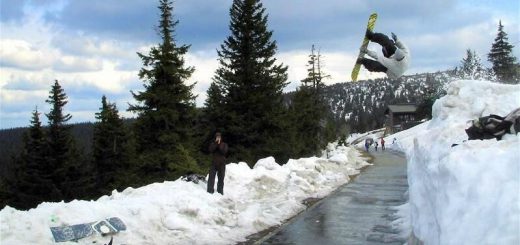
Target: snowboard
x,y
75,232
370,26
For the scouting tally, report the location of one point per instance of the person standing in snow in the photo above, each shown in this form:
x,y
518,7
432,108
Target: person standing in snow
x,y
382,144
376,145
367,144
395,59
219,150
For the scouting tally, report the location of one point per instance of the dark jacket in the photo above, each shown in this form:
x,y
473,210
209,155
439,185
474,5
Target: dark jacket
x,y
219,152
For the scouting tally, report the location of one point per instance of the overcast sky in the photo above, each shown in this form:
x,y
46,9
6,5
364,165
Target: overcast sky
x,y
90,46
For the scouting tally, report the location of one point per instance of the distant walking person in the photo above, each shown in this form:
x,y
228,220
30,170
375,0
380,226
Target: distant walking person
x,y
219,150
367,144
382,144
376,145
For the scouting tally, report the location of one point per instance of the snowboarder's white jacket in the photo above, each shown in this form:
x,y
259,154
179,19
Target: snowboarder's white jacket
x,y
396,64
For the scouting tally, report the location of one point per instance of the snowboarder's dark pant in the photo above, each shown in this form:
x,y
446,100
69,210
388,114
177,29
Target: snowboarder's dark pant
x,y
384,41
372,65
220,171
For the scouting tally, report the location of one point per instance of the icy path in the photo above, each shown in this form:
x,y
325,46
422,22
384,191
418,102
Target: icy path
x,y
358,213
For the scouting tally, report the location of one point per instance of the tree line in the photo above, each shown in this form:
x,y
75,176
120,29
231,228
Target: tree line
x,y
169,136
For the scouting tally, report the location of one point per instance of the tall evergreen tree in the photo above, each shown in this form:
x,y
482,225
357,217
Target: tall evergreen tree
x,y
33,182
214,106
309,111
165,109
71,172
252,113
501,56
112,149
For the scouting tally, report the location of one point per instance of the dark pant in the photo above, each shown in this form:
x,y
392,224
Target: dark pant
x,y
220,171
372,65
384,41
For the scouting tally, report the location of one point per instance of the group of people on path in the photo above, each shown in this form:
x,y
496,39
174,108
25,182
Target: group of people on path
x,y
370,141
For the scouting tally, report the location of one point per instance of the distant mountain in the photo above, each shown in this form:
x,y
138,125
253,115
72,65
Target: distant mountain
x,y
362,104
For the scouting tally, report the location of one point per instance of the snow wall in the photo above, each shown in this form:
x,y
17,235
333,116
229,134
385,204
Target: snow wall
x,y
469,193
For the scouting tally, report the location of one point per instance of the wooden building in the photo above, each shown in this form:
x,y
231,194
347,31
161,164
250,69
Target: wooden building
x,y
400,117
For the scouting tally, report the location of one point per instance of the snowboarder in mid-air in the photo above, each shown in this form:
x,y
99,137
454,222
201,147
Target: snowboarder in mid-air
x,y
395,58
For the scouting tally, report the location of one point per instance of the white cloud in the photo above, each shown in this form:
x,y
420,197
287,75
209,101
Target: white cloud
x,y
77,64
23,55
21,96
79,44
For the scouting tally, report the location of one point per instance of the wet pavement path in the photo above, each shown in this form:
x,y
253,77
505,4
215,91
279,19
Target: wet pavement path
x,y
357,213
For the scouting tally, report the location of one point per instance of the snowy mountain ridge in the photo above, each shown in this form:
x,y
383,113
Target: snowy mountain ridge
x,y
362,104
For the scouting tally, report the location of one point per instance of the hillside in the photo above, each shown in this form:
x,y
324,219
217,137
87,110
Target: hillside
x,y
362,104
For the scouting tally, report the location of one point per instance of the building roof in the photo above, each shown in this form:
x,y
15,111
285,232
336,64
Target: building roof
x,y
403,108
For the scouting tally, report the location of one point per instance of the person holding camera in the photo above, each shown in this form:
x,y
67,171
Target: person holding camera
x,y
219,150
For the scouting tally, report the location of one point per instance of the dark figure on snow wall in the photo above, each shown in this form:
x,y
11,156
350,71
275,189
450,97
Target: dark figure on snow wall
x,y
395,59
218,166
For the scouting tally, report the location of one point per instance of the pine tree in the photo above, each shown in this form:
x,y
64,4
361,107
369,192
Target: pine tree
x,y
253,114
472,68
112,149
165,109
501,56
308,110
33,182
214,106
315,74
71,174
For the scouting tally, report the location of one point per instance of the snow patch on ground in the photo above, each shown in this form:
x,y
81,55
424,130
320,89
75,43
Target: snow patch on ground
x,y
179,212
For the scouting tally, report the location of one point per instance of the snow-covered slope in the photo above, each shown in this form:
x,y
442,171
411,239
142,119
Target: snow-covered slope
x,y
182,212
469,193
362,103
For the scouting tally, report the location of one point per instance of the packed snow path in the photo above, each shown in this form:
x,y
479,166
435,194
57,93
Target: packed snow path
x,y
358,213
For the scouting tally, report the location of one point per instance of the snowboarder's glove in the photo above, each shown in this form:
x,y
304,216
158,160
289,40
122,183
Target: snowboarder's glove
x,y
394,36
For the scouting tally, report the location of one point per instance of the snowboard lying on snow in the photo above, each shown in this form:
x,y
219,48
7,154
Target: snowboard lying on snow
x,y
75,232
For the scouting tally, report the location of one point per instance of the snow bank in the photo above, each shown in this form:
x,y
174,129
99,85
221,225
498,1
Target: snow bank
x,y
469,193
182,212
